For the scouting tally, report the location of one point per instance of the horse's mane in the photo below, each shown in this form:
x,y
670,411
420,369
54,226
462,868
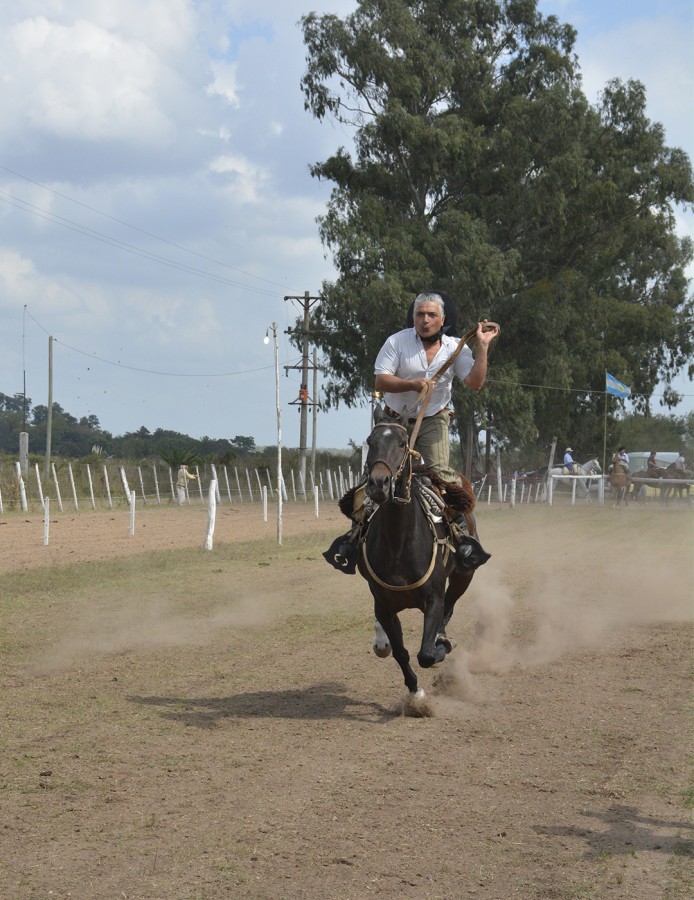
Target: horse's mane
x,y
461,498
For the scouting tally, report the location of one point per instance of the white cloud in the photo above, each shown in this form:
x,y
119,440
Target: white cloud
x,y
81,81
246,180
224,82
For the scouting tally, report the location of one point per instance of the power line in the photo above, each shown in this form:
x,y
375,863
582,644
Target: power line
x,y
157,237
121,245
121,365
554,387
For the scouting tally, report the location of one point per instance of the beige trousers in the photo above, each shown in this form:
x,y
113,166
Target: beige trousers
x,y
433,443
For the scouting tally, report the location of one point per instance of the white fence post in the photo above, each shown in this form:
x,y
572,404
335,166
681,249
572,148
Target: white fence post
x,y
124,482
211,513
22,489
142,484
38,481
72,485
91,486
57,487
216,483
108,488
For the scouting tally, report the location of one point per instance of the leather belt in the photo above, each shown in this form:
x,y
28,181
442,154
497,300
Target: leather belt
x,y
394,415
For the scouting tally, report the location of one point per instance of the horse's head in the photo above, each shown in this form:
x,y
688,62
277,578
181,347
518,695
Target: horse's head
x,y
389,450
592,468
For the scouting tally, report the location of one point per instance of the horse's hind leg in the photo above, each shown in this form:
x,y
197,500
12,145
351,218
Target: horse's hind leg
x,y
393,629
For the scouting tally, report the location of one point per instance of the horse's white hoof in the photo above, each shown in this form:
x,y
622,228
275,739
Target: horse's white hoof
x,y
382,650
417,705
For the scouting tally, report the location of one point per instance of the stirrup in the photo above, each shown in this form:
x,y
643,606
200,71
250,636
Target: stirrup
x,y
469,554
343,554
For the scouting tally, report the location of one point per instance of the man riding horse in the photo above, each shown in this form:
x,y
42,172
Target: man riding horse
x,y
407,372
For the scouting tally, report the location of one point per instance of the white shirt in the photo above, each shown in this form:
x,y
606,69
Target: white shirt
x,y
404,355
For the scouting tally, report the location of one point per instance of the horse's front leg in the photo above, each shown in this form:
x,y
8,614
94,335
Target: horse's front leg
x,y
382,646
393,629
431,650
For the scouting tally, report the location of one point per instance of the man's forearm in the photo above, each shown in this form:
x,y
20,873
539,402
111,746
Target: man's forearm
x,y
393,384
477,375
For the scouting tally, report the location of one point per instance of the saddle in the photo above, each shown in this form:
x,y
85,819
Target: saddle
x,y
458,499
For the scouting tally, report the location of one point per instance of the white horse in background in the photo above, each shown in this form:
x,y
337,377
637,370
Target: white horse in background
x,y
592,467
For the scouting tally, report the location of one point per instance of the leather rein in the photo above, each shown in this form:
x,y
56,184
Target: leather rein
x,y
407,458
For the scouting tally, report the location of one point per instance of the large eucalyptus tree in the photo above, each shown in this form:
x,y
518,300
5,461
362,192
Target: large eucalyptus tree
x,y
479,167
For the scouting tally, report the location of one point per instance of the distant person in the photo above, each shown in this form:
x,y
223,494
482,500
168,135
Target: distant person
x,y
652,467
680,463
569,463
623,458
184,476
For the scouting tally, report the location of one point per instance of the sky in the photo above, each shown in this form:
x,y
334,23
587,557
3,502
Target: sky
x,y
156,205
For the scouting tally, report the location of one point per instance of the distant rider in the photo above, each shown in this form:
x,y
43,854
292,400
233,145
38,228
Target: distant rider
x,y
569,461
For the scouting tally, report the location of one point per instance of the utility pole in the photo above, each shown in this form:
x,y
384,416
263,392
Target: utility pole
x,y
306,301
315,412
49,419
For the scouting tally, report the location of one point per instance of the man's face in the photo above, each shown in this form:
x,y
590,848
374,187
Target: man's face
x,y
428,319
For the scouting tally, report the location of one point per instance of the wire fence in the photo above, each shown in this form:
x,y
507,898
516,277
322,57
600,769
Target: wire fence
x,y
76,485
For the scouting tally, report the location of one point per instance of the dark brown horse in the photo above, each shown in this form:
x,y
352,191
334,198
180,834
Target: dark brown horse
x,y
406,555
672,473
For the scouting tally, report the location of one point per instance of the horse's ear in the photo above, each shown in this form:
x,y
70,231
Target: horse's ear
x,y
378,413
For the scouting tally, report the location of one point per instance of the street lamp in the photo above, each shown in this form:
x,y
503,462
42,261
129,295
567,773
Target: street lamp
x,y
266,340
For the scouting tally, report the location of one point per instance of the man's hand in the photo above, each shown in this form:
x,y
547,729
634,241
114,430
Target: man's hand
x,y
486,332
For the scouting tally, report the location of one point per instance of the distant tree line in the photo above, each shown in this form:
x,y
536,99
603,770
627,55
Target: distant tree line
x,y
78,438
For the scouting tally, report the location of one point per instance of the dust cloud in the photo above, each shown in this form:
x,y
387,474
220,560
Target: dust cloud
x,y
156,623
538,601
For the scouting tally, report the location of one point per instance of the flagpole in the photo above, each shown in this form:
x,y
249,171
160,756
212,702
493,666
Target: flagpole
x,y
604,433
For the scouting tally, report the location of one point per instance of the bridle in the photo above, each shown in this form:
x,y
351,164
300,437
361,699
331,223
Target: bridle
x,y
405,462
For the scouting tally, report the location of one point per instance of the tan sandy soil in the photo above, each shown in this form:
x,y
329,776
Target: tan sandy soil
x,y
204,724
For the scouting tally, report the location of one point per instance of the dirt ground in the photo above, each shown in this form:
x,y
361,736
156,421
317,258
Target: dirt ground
x,y
178,722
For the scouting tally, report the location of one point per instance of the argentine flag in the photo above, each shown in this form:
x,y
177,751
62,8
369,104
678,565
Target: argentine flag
x,y
616,388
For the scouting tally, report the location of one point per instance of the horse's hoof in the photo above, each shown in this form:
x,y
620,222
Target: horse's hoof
x,y
382,650
417,705
445,641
